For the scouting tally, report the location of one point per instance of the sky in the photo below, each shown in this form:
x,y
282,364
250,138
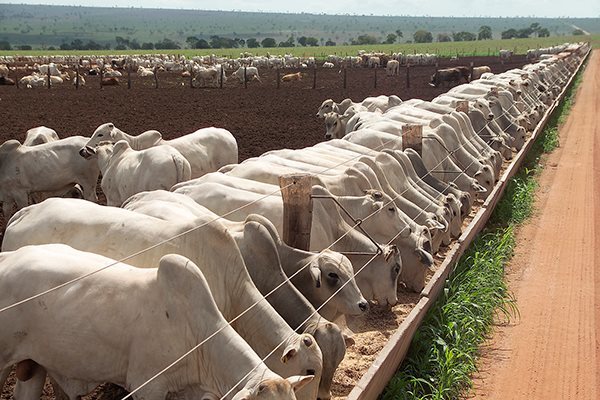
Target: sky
x,y
435,8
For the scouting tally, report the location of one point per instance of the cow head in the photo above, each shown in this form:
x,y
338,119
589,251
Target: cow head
x,y
274,389
335,127
104,133
333,276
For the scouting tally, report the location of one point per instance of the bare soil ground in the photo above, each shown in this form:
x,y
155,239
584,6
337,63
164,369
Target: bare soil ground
x,y
552,350
261,117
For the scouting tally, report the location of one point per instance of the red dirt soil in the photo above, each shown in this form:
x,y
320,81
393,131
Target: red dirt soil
x,y
552,350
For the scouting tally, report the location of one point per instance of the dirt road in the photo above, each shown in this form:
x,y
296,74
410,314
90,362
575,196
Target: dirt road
x,y
553,350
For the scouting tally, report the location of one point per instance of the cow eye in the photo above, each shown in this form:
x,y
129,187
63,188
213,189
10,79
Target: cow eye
x,y
397,269
392,209
100,135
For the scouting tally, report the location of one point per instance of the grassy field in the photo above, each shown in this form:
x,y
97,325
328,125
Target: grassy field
x,y
42,26
486,47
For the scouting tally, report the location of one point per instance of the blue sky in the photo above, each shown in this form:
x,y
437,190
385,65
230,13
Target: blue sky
x,y
441,8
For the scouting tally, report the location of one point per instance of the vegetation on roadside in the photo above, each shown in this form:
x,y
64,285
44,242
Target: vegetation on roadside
x,y
444,351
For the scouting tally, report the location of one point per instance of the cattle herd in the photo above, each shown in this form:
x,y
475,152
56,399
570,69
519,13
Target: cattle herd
x,y
182,285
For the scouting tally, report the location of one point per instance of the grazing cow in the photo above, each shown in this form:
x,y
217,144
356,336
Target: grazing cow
x,y
126,172
392,67
207,76
110,81
292,77
478,71
328,64
144,72
48,167
251,73
505,54
112,73
5,81
206,149
117,233
177,290
450,75
4,71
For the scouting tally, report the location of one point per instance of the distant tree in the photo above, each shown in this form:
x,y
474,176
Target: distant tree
x,y
365,39
485,32
423,36
524,33
399,33
391,38
191,42
24,47
535,27
329,42
578,32
134,45
121,42
202,44
543,32
120,47
508,34
240,42
218,42
268,42
91,45
252,43
65,46
302,41
51,48
443,37
166,44
147,46
312,41
463,36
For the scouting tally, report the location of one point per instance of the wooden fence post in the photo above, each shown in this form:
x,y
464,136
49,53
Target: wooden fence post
x,y
128,76
155,77
101,74
191,78
77,76
345,76
407,75
245,78
471,71
222,76
375,79
48,75
278,79
412,137
297,209
16,77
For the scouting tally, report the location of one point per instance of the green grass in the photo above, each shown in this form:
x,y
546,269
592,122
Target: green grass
x,y
444,351
482,48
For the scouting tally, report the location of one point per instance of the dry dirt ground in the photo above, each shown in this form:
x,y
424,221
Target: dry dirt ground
x,y
261,118
552,350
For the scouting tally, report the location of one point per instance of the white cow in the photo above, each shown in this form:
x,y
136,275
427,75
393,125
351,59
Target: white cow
x,y
251,73
126,172
177,291
206,149
117,233
392,68
39,135
48,167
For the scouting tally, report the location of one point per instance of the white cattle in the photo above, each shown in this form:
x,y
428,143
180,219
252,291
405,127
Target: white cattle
x,y
209,76
47,167
505,54
320,276
249,72
206,149
177,290
39,135
392,68
328,64
4,71
126,172
117,233
144,72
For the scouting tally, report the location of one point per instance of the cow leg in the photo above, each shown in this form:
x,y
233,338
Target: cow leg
x,y
32,388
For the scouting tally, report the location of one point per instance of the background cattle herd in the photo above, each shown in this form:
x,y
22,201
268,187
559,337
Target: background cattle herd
x,y
182,283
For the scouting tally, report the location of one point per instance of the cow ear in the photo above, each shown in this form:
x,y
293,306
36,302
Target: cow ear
x,y
299,381
289,352
315,271
244,394
348,340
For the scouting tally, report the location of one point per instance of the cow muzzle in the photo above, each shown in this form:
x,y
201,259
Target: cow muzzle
x,y
87,152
